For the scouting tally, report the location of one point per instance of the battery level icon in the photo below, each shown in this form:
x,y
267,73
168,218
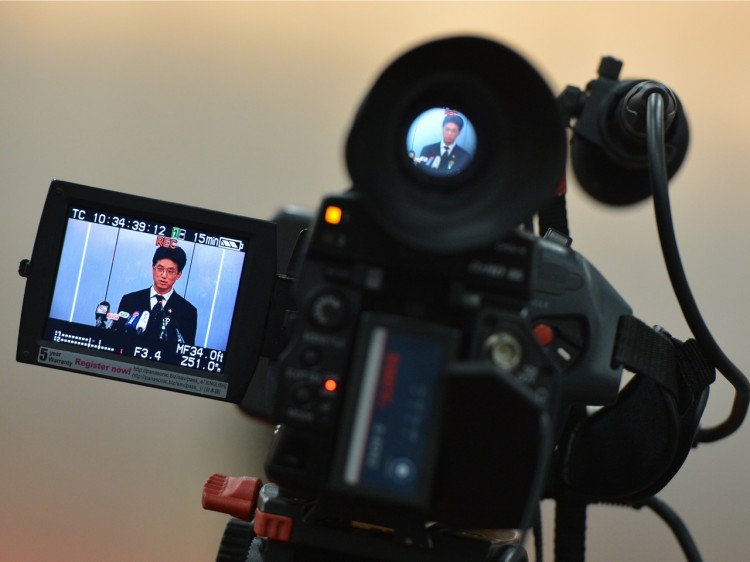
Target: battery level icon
x,y
231,244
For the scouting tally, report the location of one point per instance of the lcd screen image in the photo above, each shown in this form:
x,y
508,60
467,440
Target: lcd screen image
x,y
143,289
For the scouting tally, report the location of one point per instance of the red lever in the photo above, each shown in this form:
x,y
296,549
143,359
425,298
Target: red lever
x,y
233,495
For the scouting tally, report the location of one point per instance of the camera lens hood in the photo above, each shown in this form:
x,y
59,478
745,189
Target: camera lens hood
x,y
518,155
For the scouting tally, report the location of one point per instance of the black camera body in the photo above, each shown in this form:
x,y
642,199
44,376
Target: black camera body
x,y
383,339
503,330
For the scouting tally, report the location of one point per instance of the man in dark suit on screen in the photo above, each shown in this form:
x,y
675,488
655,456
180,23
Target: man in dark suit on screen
x,y
171,317
447,157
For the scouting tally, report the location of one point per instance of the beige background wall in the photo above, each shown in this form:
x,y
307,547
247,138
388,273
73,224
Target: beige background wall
x,y
242,107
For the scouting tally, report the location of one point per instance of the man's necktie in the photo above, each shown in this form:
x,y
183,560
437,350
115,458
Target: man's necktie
x,y
158,309
157,317
444,158
157,313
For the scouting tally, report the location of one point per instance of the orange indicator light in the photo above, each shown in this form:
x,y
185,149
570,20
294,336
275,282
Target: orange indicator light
x,y
330,385
333,214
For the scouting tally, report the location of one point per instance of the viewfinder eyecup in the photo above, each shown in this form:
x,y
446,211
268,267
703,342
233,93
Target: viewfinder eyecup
x,y
505,165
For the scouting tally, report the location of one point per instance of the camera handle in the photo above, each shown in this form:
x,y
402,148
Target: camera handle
x,y
655,419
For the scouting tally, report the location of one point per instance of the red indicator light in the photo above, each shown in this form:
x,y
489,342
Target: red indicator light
x,y
330,385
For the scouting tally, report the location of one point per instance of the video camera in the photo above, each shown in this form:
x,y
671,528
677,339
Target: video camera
x,y
427,354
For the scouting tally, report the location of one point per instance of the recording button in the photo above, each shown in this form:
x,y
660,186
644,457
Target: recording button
x,y
544,334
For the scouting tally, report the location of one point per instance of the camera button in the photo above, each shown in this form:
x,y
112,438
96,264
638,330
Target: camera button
x,y
329,310
302,394
337,273
544,334
310,356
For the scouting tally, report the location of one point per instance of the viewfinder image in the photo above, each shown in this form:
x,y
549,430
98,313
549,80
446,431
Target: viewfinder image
x,y
441,142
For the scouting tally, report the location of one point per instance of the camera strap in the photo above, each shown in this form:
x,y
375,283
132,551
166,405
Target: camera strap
x,y
630,450
679,367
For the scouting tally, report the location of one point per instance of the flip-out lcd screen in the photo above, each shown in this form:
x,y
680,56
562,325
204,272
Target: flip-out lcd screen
x,y
151,297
